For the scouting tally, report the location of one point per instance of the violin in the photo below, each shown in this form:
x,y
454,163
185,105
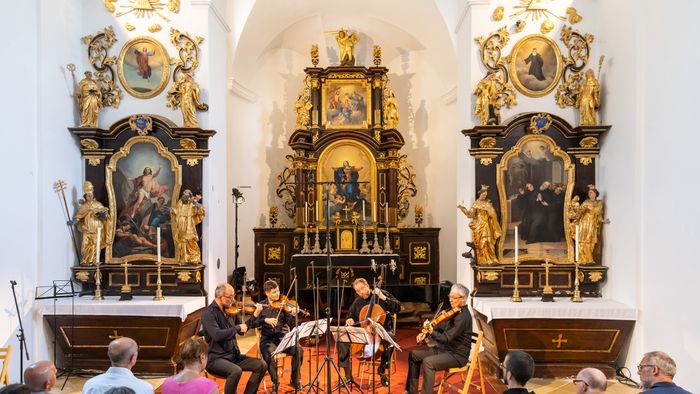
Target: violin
x,y
378,316
287,305
441,317
237,307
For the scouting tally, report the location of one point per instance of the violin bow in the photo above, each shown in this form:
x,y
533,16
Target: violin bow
x,y
243,298
287,297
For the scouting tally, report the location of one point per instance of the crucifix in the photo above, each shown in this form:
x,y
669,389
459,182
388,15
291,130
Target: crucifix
x,y
559,341
125,294
547,293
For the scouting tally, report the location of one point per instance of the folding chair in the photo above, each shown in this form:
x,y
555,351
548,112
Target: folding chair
x,y
5,353
469,369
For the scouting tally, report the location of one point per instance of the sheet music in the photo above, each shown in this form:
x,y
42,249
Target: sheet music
x,y
301,331
350,334
384,335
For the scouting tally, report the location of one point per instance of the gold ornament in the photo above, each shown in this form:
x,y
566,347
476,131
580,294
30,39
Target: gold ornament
x,y
534,9
377,54
588,216
588,99
128,26
98,55
498,14
303,106
90,216
547,26
492,93
314,54
346,45
89,98
520,25
187,213
484,226
154,28
574,17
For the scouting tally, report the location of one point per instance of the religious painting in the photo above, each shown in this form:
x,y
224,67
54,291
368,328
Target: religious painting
x,y
143,67
143,179
534,179
535,65
350,170
345,104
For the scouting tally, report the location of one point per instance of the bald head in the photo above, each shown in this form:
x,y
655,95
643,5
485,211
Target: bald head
x,y
122,352
592,381
40,376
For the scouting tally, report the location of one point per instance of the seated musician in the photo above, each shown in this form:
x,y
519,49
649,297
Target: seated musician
x,y
225,358
453,339
275,324
364,297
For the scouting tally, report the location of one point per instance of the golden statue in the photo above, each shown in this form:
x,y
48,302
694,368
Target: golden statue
x,y
187,213
588,217
346,44
486,92
303,106
484,226
91,215
588,99
391,112
89,101
185,94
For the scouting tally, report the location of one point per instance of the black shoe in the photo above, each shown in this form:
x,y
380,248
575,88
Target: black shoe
x,y
275,387
296,385
385,380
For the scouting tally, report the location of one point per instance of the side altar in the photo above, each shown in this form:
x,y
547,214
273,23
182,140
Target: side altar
x,y
347,170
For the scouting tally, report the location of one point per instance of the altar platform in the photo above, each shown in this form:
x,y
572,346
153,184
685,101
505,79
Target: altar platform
x,y
561,336
85,327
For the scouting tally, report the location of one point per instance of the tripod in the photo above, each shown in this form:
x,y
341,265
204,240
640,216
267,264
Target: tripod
x,y
22,339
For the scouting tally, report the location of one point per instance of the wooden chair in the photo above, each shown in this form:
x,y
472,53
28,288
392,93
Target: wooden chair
x,y
468,369
5,353
280,359
365,364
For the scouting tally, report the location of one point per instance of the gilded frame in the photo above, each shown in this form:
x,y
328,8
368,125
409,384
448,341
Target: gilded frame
x,y
551,69
569,169
331,96
127,65
333,157
111,168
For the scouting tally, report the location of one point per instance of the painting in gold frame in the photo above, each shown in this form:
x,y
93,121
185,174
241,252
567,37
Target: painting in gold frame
x,y
535,65
143,67
345,103
535,180
143,178
351,168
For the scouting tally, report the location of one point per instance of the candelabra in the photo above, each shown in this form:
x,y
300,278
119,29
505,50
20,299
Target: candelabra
x,y
387,241
577,293
365,246
98,284
307,248
516,292
317,243
159,290
376,249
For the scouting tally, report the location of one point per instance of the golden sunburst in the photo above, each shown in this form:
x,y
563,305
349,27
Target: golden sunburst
x,y
534,9
146,8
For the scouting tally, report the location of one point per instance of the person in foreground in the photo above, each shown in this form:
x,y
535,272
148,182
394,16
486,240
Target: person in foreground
x,y
40,376
517,368
193,357
656,372
453,339
590,381
225,358
122,353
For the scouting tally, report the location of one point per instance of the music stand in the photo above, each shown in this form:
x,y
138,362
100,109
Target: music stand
x,y
60,289
384,336
304,330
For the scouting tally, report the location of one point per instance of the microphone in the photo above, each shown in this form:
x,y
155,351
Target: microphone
x,y
13,283
373,265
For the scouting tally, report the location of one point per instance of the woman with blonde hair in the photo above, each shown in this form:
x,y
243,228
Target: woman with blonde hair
x,y
193,357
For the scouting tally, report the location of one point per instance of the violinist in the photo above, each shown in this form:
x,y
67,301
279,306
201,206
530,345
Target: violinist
x,y
453,338
366,296
225,358
275,323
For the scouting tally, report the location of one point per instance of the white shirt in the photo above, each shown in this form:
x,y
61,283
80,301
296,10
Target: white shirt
x,y
116,377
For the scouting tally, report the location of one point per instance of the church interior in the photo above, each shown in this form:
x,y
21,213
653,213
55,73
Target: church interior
x,y
404,154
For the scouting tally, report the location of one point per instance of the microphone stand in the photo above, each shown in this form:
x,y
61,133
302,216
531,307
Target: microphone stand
x,y
297,355
23,350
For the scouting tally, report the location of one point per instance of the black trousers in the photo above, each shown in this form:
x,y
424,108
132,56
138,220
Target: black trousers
x,y
344,357
268,346
427,361
233,371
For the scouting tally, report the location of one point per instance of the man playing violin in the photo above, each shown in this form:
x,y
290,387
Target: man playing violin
x,y
225,358
453,338
365,296
275,321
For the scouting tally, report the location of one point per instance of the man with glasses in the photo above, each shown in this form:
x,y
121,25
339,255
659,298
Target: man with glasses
x,y
516,369
656,372
590,381
225,358
453,339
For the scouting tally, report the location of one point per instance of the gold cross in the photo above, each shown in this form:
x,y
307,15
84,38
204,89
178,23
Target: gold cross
x,y
346,209
115,336
559,341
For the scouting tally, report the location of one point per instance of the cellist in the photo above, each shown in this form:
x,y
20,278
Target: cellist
x,y
453,339
366,296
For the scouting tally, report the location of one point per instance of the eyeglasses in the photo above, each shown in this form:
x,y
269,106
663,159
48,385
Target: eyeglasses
x,y
228,296
642,366
580,381
455,296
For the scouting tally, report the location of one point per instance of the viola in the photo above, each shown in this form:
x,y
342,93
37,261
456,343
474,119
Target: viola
x,y
441,317
287,305
237,307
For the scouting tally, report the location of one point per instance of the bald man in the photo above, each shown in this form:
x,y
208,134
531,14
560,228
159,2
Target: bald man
x,y
590,381
122,353
40,376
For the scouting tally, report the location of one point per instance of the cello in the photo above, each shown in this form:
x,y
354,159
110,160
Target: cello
x,y
378,315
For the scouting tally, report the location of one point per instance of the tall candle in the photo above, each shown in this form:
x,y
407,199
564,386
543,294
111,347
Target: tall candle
x,y
99,237
316,209
374,211
158,239
516,244
576,245
363,210
386,214
306,212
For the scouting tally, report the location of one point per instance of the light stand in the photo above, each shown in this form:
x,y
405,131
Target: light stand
x,y
298,350
22,339
238,199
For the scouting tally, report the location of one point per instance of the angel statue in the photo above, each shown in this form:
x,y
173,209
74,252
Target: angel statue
x,y
391,112
588,216
187,213
486,93
185,94
346,43
91,216
484,226
588,99
89,100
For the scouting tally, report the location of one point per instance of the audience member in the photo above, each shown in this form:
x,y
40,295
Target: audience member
x,y
656,372
120,390
193,357
40,376
590,381
15,388
517,368
122,353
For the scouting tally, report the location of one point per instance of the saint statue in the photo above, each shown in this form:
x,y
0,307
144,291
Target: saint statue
x,y
89,101
486,93
189,102
91,216
346,43
303,107
588,99
391,113
484,226
589,218
186,214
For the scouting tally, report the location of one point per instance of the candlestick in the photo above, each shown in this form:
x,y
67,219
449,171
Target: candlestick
x,y
159,290
158,239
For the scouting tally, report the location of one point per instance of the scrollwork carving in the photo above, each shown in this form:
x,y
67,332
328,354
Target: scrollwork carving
x,y
491,51
184,93
187,50
407,186
572,79
492,93
98,55
286,187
